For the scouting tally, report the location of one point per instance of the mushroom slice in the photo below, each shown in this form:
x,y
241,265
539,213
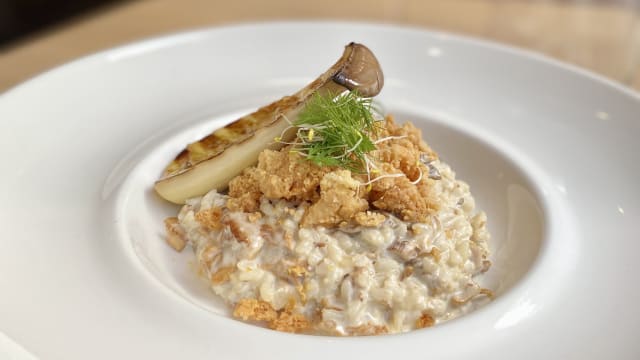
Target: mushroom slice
x,y
214,160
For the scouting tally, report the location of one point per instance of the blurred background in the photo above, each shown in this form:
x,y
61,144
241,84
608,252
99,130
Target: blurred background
x,y
601,35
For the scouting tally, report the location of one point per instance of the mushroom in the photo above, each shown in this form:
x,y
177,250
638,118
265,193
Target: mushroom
x,y
214,160
360,71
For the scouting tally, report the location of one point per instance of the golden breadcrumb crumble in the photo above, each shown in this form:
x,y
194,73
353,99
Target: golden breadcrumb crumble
x,y
338,196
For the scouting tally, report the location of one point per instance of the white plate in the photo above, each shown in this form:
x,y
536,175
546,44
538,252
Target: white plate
x,y
549,150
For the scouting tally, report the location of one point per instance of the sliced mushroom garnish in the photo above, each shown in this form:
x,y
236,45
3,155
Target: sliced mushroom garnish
x,y
469,293
427,160
434,173
214,160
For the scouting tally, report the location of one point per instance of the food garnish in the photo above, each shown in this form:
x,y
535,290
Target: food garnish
x,y
217,158
336,130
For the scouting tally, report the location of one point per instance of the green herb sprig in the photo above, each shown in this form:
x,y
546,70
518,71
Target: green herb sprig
x,y
336,130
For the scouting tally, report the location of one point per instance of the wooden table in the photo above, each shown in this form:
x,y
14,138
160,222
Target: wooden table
x,y
603,36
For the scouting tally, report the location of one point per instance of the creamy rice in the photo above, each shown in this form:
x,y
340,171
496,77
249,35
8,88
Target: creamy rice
x,y
346,280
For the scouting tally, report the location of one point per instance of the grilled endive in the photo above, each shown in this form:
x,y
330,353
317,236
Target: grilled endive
x,y
214,160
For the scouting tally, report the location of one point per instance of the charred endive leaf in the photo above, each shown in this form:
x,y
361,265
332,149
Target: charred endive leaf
x,y
214,160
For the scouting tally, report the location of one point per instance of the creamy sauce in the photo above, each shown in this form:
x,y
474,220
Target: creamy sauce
x,y
351,280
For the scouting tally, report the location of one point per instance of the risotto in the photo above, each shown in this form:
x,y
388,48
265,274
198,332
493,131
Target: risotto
x,y
322,250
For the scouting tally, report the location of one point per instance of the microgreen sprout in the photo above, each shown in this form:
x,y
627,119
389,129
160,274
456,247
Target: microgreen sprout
x,y
337,130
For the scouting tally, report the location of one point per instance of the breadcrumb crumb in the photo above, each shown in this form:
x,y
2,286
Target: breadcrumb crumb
x,y
210,218
369,218
338,196
289,321
424,321
339,200
284,320
254,310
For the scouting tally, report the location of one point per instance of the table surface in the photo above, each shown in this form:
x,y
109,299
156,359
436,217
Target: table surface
x,y
600,35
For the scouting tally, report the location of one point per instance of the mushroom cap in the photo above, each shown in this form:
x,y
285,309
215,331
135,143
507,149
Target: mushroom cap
x,y
361,71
